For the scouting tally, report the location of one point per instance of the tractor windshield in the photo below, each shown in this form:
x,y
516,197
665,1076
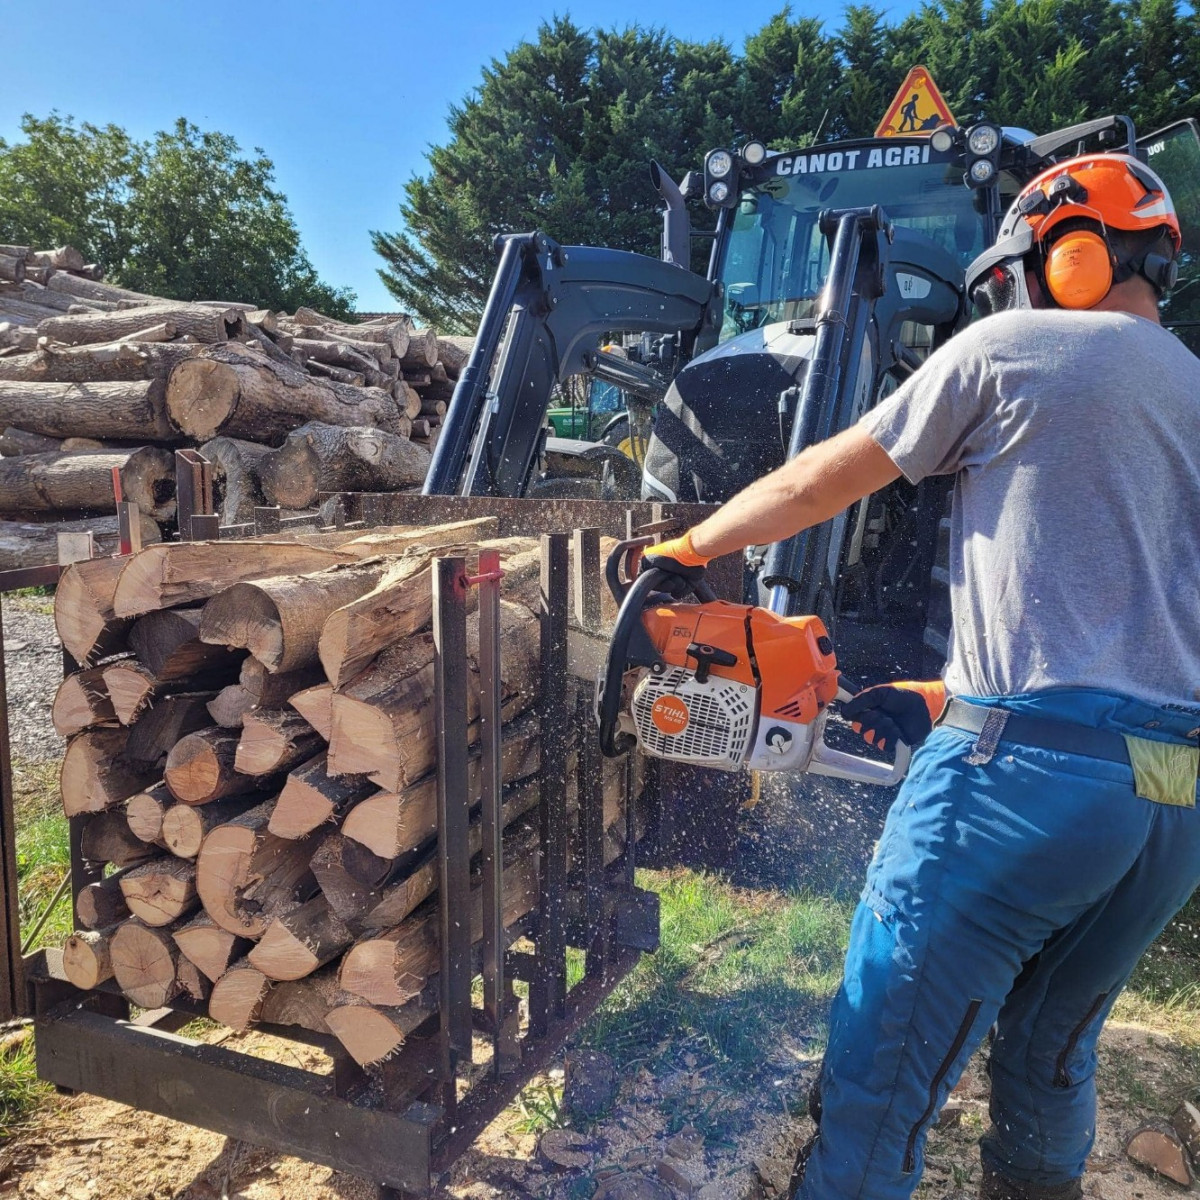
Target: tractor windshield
x,y
775,259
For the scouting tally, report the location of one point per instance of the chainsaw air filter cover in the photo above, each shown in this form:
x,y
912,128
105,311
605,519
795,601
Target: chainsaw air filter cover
x,y
705,723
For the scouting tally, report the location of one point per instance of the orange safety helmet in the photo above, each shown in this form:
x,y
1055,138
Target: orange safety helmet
x,y
1065,215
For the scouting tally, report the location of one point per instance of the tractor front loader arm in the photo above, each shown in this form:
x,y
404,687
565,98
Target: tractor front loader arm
x,y
548,308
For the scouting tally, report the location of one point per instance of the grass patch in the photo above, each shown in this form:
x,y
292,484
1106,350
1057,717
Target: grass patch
x,y
21,1092
43,847
33,599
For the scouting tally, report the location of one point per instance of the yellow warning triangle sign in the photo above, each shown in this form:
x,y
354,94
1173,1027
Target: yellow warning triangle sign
x,y
918,108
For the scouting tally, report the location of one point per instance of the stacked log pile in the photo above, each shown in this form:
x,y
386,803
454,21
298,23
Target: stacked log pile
x,y
95,378
252,740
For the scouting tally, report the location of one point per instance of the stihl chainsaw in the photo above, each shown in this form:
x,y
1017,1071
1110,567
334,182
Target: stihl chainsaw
x,y
721,685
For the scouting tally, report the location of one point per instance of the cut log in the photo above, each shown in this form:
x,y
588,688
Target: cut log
x,y
223,392
327,458
340,374
339,866
200,767
204,324
373,1033
453,353
391,824
1157,1149
145,811
133,688
168,644
51,363
164,722
264,319
163,332
228,708
16,336
315,705
35,544
24,252
408,401
107,838
274,740
339,353
311,797
87,962
298,943
161,891
21,441
183,572
422,349
212,949
73,285
304,1002
129,410
279,619
96,774
101,904
238,996
185,826
1185,1120
236,490
83,609
273,689
143,960
79,482
82,701
191,981
64,258
433,408
12,268
246,875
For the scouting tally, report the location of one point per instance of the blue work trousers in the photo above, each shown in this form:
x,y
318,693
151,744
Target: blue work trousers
x,y
1018,894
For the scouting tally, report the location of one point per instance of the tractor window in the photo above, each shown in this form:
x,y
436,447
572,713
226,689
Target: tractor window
x,y
775,259
1174,153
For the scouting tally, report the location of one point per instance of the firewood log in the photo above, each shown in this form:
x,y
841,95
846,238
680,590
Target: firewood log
x,y
327,458
238,996
349,876
453,353
64,258
209,947
14,335
107,838
339,353
372,1033
1157,1148
164,722
422,349
391,824
160,891
87,962
83,609
273,689
184,572
236,490
245,875
316,340
224,391
200,767
185,826
298,943
78,482
264,319
274,740
228,708
204,324
12,268
22,252
73,285
143,960
133,688
101,904
304,1002
82,701
408,401
340,374
97,775
433,408
123,409
35,543
169,645
20,441
315,705
311,797
190,980
113,361
144,813
163,332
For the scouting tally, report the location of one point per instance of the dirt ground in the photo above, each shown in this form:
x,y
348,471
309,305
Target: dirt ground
x,y
670,1130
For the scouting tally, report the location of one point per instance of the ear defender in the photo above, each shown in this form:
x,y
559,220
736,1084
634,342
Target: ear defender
x,y
1078,269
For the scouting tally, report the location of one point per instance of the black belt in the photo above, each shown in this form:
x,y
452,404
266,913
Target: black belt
x,y
992,725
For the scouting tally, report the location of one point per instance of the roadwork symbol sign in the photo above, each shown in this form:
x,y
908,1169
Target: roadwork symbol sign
x,y
918,108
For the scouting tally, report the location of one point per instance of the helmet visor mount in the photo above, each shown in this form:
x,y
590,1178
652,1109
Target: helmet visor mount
x,y
996,279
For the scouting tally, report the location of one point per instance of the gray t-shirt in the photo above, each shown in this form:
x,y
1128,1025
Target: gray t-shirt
x,y
1075,541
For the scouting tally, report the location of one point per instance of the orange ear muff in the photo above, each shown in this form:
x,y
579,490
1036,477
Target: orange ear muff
x,y
1078,269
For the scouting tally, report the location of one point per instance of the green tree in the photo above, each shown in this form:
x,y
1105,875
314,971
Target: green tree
x,y
184,216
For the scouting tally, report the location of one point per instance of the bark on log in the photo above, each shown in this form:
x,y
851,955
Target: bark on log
x,y
190,980
15,335
35,543
236,488
408,401
64,258
274,740
12,268
453,353
96,774
422,349
185,826
145,811
79,482
164,722
94,290
133,689
223,391
238,996
326,458
339,374
107,838
113,361
163,332
338,352
200,767
101,904
349,876
184,572
168,644
228,708
204,324
315,705
143,960
83,609
87,962
161,891
304,1002
20,441
209,947
300,942
246,875
82,701
311,797
120,410
24,252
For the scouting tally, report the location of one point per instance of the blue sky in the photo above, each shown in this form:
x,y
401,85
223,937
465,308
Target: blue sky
x,y
345,98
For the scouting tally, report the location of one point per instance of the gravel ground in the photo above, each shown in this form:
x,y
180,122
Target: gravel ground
x,y
33,669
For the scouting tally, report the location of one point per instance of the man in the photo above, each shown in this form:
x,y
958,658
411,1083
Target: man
x,y
1046,832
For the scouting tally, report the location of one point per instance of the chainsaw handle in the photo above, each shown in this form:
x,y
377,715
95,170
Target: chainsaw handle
x,y
620,572
837,763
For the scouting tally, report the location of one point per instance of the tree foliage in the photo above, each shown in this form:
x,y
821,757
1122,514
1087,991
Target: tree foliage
x,y
558,135
184,216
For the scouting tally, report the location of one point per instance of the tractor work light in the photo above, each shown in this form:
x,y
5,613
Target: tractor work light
x,y
719,192
719,164
983,140
753,153
983,155
982,171
942,139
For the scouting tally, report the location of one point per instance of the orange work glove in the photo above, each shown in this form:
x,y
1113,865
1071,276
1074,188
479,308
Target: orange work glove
x,y
904,711
679,560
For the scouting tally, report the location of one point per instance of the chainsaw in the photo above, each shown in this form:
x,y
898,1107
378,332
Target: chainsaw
x,y
720,685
